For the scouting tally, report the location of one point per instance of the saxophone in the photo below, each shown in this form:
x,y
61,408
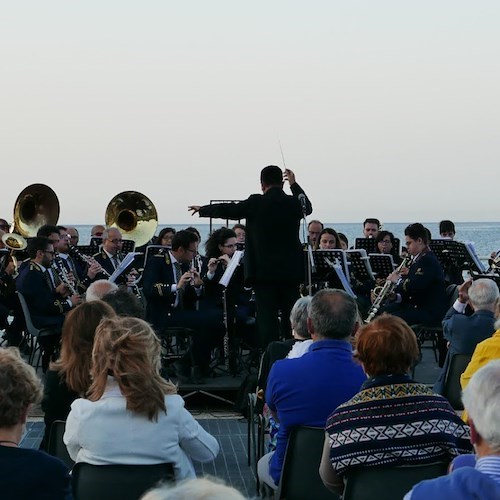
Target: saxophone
x,y
381,292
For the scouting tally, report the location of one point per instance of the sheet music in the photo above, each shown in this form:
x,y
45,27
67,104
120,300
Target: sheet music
x,y
472,252
228,273
342,277
128,259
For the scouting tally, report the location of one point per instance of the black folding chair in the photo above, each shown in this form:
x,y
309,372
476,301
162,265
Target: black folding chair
x,y
452,389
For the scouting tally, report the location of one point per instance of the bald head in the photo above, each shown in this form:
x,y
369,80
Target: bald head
x,y
98,289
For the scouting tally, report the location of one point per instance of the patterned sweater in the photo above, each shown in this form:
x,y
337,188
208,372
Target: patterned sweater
x,y
394,421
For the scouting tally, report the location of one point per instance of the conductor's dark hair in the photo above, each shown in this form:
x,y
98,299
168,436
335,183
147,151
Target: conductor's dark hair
x,y
271,176
183,239
37,243
47,230
417,230
125,303
218,237
371,221
446,226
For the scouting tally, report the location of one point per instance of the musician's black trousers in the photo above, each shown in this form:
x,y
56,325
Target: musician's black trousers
x,y
270,300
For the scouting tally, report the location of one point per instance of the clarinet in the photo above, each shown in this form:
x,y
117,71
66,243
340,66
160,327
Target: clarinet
x,y
62,272
87,260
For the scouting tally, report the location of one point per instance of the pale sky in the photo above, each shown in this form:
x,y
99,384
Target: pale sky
x,y
384,109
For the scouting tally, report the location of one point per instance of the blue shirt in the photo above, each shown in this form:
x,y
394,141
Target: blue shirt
x,y
305,390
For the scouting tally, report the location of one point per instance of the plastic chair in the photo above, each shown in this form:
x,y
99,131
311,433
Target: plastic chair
x,y
56,446
300,475
117,482
452,389
388,483
35,333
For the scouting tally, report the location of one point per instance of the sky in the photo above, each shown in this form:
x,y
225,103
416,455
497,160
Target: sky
x,y
383,109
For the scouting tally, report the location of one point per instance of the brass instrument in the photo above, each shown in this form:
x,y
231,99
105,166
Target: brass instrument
x,y
134,214
35,206
381,292
494,264
14,242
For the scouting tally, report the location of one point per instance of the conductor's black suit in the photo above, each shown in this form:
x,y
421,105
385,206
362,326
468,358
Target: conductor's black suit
x,y
273,261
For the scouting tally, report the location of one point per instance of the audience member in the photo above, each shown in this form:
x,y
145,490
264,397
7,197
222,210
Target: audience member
x,y
98,289
393,420
125,303
24,472
464,332
482,401
195,489
69,377
305,390
132,415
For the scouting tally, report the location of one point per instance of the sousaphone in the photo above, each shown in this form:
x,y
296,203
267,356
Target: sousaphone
x,y
35,206
134,214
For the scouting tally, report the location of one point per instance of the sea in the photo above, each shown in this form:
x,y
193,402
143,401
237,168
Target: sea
x,y
484,235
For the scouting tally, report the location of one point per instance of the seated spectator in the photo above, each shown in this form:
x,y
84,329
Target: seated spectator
x,y
69,377
482,401
195,489
24,473
393,420
464,332
485,351
305,390
98,289
132,415
125,303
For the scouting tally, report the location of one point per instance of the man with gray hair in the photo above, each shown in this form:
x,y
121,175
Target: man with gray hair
x,y
98,289
464,332
305,390
482,401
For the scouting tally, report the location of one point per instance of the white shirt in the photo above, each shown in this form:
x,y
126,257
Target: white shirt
x,y
105,432
299,348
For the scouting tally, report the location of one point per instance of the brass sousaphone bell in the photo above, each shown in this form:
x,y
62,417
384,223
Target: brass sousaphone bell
x,y
35,206
134,215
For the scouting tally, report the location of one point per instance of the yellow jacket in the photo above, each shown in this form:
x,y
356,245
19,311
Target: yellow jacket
x,y
485,351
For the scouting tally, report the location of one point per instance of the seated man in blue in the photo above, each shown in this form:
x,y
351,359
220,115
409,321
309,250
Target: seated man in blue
x,y
463,332
305,390
482,401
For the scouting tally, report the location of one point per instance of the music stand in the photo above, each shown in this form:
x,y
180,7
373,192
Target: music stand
x,y
216,202
359,265
458,255
88,250
152,250
96,242
382,264
331,266
369,245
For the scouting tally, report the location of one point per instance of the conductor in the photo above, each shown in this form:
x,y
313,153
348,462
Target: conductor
x,y
273,270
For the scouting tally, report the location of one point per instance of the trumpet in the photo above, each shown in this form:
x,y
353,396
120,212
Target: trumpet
x,y
381,292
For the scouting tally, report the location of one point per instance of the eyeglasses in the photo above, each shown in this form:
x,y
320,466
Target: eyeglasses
x,y
190,250
54,242
51,252
229,246
386,242
116,241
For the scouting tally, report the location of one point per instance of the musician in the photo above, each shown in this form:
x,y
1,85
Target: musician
x,y
328,240
165,237
314,228
199,262
386,244
420,289
81,281
371,228
74,236
274,271
4,226
447,229
172,290
344,242
97,231
240,231
220,248
45,303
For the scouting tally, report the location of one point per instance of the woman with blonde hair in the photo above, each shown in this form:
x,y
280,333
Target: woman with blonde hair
x,y
69,377
132,415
